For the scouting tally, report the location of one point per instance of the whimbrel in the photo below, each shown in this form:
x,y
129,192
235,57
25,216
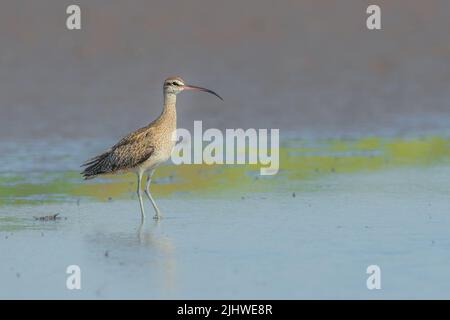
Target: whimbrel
x,y
144,149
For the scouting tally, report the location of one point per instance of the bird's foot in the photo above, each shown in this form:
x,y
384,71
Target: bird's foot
x,y
157,216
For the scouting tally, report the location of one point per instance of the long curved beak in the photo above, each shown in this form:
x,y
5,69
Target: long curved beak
x,y
189,87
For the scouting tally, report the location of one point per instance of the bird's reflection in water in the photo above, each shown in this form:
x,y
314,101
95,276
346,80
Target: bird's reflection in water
x,y
146,251
149,235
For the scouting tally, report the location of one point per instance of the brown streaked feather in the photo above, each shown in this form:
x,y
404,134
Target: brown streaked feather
x,y
127,154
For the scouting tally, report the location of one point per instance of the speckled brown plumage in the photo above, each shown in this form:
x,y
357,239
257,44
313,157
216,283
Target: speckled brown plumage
x,y
137,148
128,153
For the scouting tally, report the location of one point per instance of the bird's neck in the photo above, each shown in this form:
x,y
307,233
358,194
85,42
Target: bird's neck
x,y
169,112
170,99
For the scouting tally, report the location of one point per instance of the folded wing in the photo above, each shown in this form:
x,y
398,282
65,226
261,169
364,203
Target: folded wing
x,y
127,154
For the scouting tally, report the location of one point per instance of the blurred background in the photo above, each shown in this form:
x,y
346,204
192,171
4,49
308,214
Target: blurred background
x,y
364,120
302,66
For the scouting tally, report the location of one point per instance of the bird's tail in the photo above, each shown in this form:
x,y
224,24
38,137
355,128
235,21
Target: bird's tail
x,y
96,166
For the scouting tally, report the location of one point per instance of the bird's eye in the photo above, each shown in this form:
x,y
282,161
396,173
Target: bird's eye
x,y
176,84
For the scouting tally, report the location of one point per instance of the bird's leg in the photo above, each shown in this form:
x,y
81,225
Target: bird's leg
x,y
149,195
139,176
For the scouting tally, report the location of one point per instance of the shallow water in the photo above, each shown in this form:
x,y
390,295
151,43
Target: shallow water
x,y
336,207
317,244
46,171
